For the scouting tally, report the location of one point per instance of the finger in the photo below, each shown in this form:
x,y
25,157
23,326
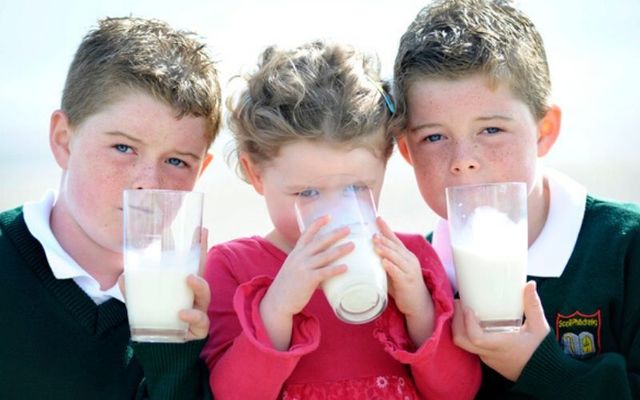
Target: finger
x,y
198,323
397,254
390,268
201,292
121,285
533,311
475,334
204,240
320,244
386,231
309,233
325,273
329,256
458,328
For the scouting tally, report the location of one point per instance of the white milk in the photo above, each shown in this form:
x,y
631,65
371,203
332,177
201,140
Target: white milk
x,y
156,290
490,259
359,294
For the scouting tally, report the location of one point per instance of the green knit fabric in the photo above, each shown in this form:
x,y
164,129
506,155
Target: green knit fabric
x,y
56,343
601,282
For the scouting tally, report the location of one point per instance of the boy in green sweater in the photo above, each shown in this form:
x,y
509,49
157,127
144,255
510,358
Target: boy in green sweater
x,y
472,87
140,108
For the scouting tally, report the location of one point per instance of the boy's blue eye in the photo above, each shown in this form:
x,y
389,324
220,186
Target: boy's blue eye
x,y
123,148
309,193
176,162
493,130
433,138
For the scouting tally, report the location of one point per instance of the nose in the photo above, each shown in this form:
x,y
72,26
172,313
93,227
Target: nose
x,y
464,160
147,176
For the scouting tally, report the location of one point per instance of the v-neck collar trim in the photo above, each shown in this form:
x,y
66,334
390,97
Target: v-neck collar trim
x,y
96,319
550,253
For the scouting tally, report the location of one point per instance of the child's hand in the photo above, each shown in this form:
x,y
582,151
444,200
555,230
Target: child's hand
x,y
302,272
406,283
507,353
197,316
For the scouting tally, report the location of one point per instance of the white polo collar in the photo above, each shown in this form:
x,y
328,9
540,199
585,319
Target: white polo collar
x,y
551,251
37,216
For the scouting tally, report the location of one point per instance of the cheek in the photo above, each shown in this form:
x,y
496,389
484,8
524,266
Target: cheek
x,y
178,178
283,217
430,174
95,197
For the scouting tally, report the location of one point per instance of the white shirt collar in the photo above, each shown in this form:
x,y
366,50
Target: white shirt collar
x,y
551,251
37,216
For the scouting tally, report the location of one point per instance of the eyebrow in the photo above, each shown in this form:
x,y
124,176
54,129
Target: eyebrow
x,y
136,140
480,119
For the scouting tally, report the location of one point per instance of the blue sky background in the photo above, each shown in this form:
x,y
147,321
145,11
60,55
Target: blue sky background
x,y
593,48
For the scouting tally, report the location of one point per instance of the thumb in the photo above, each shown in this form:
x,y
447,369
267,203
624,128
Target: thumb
x,y
204,238
533,310
121,284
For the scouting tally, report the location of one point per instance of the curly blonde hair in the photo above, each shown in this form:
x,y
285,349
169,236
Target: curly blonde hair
x,y
317,92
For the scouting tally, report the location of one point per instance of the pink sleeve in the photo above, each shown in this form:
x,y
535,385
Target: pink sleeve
x,y
441,369
242,362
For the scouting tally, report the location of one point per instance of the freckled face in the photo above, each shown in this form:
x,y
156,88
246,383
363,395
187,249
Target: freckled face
x,y
136,142
463,132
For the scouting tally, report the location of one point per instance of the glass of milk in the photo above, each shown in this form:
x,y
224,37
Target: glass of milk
x,y
358,295
489,239
161,248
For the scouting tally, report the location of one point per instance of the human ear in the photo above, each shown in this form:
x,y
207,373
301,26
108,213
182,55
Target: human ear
x,y
548,130
404,149
60,138
252,172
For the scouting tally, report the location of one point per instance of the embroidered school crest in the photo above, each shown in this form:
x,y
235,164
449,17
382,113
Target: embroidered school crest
x,y
579,334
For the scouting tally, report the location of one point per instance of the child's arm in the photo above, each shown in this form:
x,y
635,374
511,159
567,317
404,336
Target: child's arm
x,y
306,267
244,362
539,366
440,368
406,284
506,353
175,371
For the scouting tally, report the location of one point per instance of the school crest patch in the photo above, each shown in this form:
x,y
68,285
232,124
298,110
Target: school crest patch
x,y
579,334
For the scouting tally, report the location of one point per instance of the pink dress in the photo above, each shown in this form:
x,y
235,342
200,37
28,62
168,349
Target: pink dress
x,y
327,359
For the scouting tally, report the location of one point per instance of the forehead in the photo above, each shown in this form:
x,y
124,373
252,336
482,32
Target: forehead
x,y
302,161
475,95
150,121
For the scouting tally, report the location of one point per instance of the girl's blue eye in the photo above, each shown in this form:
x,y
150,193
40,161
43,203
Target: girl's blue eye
x,y
354,188
123,148
493,130
176,162
309,193
433,138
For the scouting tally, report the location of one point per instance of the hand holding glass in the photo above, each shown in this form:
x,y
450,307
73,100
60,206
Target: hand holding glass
x,y
359,294
489,236
161,248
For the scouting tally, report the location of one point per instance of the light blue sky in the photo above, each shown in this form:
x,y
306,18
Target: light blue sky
x,y
593,48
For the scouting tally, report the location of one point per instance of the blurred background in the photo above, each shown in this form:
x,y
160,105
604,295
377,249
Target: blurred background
x,y
593,49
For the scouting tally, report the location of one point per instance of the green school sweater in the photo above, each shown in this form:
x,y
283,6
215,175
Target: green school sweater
x,y
593,309
56,343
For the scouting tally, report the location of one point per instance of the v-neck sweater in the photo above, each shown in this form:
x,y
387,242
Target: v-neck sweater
x,y
58,344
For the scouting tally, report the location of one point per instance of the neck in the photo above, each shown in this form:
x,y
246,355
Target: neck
x,y
276,239
103,264
538,208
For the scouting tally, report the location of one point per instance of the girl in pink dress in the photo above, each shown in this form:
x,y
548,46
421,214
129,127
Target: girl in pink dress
x,y
316,110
